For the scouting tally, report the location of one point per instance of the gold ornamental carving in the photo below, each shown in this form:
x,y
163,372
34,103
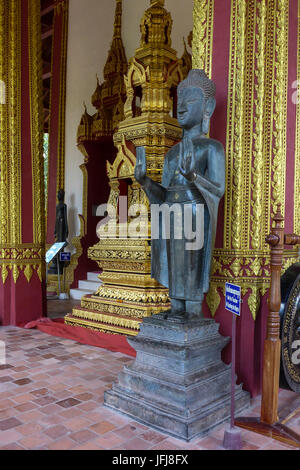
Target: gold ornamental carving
x,y
16,257
203,17
258,142
297,138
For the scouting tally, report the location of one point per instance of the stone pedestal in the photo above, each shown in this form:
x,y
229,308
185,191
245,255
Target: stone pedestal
x,y
178,383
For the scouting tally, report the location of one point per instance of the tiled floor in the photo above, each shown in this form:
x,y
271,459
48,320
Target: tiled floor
x,y
51,395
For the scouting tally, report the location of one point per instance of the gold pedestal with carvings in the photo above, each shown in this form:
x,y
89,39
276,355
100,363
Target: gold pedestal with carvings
x,y
128,293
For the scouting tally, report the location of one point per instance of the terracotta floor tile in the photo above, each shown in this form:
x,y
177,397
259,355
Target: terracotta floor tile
x,y
62,444
22,381
7,413
9,423
165,445
12,446
84,396
180,443
109,440
102,427
6,378
5,366
250,447
40,377
71,412
68,402
275,446
127,431
10,436
40,393
89,406
87,446
62,395
46,400
210,443
83,436
56,432
4,404
32,416
58,387
139,426
77,423
34,442
152,436
23,398
254,438
77,390
118,419
28,406
29,429
137,444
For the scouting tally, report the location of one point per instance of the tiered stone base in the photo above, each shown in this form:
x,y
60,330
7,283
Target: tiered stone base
x,y
178,383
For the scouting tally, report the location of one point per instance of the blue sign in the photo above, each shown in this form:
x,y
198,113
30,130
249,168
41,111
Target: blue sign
x,y
65,256
54,250
233,298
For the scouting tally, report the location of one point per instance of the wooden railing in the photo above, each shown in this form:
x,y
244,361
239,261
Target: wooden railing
x,y
268,423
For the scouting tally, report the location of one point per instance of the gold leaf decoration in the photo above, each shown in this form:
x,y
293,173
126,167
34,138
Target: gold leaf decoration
x,y
28,272
213,299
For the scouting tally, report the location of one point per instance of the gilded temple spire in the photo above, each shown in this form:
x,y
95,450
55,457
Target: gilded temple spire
x,y
118,19
156,27
109,96
116,60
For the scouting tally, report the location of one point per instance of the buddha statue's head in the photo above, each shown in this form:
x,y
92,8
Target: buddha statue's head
x,y
61,195
196,101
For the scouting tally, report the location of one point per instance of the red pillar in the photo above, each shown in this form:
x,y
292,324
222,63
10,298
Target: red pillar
x,y
22,204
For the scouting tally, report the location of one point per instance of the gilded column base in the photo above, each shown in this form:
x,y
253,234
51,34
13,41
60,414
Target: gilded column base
x,y
128,293
52,284
103,322
118,315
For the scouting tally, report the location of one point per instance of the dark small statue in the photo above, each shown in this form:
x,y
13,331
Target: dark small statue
x,y
61,231
194,174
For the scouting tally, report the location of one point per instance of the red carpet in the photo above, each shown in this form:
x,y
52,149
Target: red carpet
x,y
57,327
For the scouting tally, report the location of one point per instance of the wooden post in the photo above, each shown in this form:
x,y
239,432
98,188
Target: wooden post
x,y
268,424
272,346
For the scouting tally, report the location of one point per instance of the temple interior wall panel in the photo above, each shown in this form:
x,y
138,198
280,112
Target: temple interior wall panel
x,y
22,227
89,37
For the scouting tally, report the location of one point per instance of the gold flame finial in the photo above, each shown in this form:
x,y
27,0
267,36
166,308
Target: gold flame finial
x,y
160,2
118,19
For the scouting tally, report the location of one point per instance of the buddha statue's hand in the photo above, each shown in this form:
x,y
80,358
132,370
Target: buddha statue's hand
x,y
187,159
140,172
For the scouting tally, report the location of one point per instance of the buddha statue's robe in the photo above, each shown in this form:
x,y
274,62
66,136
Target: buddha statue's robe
x,y
187,272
